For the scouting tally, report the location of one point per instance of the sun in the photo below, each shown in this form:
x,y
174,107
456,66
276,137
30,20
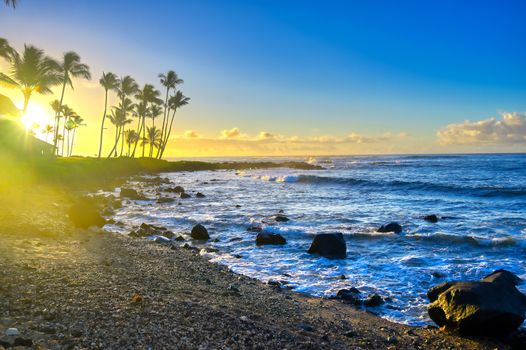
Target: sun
x,y
35,118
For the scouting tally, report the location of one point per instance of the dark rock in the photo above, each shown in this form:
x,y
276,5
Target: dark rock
x,y
373,300
176,189
390,227
343,277
4,344
162,200
350,333
329,245
23,342
162,240
238,206
264,238
199,195
254,228
281,218
491,306
438,274
85,214
431,218
199,232
179,238
350,296
185,195
130,193
146,230
307,327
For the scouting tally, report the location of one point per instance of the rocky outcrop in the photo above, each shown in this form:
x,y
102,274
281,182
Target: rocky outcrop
x,y
162,200
390,227
329,245
373,300
176,189
281,218
130,193
491,306
146,230
267,238
185,195
199,232
84,214
350,296
199,195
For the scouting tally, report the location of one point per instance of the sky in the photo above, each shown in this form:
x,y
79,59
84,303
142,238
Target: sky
x,y
286,77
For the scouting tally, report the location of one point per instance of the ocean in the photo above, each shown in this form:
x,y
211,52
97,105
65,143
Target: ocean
x,y
480,201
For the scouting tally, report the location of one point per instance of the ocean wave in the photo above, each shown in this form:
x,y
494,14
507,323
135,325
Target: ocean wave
x,y
470,239
482,191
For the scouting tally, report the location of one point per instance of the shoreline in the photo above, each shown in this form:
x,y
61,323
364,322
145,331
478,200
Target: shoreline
x,y
82,289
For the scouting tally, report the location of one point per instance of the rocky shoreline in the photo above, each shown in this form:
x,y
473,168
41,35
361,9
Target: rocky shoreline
x,y
74,288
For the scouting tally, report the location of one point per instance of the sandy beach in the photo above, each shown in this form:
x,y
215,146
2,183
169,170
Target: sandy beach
x,y
65,288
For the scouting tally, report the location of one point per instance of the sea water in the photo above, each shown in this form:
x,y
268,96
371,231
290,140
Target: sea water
x,y
480,200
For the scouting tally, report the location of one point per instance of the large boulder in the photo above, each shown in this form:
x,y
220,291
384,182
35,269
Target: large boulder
x,y
431,218
329,245
131,194
491,306
84,214
390,227
264,238
199,232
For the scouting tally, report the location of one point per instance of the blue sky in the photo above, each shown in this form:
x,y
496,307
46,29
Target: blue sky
x,y
303,68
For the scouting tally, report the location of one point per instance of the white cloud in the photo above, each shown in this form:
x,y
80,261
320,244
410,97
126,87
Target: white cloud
x,y
190,134
509,129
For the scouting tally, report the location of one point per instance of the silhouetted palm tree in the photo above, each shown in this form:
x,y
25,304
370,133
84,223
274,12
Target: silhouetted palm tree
x,y
153,138
6,51
175,102
11,3
154,112
119,118
109,81
67,113
146,96
170,80
48,129
70,67
78,121
32,71
131,137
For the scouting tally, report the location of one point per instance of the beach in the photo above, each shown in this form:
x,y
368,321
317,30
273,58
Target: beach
x,y
65,287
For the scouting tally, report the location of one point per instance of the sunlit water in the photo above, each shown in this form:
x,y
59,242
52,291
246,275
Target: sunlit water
x,y
482,197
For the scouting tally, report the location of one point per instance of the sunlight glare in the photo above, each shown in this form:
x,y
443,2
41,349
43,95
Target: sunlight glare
x,y
35,118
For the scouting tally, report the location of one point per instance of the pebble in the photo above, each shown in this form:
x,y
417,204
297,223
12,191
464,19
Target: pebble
x,y
12,332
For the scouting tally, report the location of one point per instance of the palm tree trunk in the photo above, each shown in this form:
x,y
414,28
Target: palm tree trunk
x,y
143,132
27,96
137,141
57,119
151,150
114,149
169,131
122,140
72,142
103,120
165,111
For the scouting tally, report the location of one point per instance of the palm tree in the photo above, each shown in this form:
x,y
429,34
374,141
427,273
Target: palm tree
x,y
109,81
6,51
175,102
67,113
69,68
119,118
153,138
68,125
32,71
170,80
147,95
78,121
131,137
154,112
11,3
48,129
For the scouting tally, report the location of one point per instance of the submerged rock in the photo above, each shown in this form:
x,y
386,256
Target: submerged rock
x,y
199,195
162,200
199,232
390,227
281,218
267,238
431,218
254,228
130,193
329,245
185,195
491,306
84,214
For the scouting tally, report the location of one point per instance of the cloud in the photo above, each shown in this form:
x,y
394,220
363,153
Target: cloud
x,y
230,134
265,135
509,129
190,134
